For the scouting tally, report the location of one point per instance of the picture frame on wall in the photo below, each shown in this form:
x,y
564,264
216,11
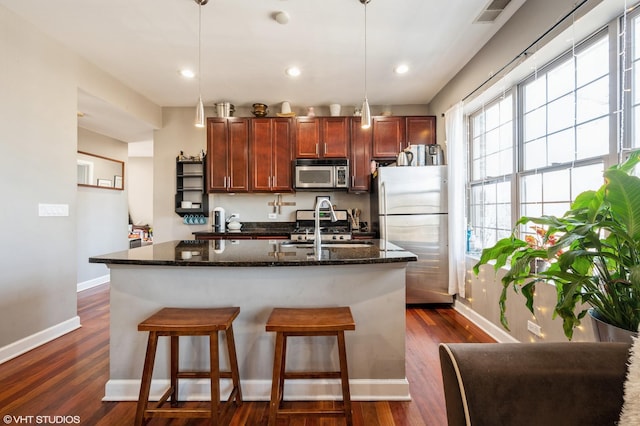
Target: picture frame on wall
x,y
105,183
117,182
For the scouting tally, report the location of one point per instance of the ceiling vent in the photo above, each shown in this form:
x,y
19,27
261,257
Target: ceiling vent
x,y
492,11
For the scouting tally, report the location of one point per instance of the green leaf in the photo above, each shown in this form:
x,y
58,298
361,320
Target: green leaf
x,y
623,196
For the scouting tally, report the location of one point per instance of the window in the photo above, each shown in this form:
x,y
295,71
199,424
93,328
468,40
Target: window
x,y
562,123
565,129
491,154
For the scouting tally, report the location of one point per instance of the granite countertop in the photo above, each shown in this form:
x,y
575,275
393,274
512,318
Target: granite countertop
x,y
217,253
265,229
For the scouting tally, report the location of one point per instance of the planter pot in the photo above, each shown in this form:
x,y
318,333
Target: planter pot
x,y
605,332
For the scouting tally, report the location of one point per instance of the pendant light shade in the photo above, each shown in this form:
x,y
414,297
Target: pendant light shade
x,y
366,111
366,114
200,113
200,107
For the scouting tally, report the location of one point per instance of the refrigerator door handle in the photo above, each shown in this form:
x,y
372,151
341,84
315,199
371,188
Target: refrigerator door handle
x,y
383,190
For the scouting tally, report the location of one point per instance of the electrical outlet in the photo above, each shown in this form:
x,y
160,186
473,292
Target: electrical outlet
x,y
273,216
534,328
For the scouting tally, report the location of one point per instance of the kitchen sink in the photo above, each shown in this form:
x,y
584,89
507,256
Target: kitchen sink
x,y
328,244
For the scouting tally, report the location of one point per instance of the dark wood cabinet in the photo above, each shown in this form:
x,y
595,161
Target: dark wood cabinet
x,y
421,130
323,137
393,134
228,154
270,153
388,137
360,159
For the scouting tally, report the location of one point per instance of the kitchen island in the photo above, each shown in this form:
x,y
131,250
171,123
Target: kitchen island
x,y
258,275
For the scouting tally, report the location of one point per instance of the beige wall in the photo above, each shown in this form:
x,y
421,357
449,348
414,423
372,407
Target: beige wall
x,y
39,82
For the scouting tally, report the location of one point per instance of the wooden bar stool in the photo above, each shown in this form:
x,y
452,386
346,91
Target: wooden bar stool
x,y
288,322
176,322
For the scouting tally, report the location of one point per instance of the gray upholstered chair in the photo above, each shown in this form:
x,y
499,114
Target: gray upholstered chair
x,y
492,384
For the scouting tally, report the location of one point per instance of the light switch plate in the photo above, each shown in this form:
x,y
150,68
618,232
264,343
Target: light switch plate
x,y
53,209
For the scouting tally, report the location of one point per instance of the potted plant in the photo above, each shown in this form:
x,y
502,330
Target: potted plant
x,y
592,254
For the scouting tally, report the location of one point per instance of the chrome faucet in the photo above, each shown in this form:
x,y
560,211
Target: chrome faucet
x,y
317,238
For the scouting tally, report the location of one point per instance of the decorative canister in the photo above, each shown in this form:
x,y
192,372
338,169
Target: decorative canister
x,y
334,110
260,110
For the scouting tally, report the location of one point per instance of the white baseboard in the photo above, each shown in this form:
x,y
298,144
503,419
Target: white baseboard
x,y
496,332
85,285
260,390
21,346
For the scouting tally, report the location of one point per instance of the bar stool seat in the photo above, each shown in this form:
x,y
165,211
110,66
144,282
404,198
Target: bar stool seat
x,y
287,322
176,322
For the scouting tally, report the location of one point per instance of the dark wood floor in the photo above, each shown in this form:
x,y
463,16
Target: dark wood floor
x,y
66,377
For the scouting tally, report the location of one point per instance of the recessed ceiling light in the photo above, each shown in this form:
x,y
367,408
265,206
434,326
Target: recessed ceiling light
x,y
186,73
401,69
282,18
293,71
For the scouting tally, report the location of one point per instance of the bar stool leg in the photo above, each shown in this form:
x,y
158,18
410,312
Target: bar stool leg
x,y
277,379
147,372
233,365
175,363
344,376
215,377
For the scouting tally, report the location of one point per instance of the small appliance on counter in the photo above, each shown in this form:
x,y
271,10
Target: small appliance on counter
x,y
219,223
435,156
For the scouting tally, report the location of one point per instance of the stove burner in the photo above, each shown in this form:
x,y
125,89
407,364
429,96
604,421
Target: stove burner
x,y
330,231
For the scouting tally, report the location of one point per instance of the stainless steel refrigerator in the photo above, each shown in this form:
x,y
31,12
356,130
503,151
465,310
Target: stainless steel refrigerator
x,y
409,209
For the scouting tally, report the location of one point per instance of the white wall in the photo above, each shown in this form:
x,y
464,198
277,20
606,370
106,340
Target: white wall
x,y
39,81
101,213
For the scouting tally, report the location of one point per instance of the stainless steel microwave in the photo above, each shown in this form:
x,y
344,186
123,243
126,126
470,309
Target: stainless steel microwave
x,y
319,174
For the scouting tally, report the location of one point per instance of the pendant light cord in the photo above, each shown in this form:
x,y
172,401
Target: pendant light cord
x,y
199,48
365,48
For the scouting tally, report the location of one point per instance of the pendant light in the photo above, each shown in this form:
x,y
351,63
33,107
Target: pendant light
x,y
366,111
200,107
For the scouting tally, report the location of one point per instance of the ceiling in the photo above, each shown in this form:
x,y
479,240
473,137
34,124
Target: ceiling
x,y
245,51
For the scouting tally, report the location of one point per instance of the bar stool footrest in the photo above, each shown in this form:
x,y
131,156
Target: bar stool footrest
x,y
293,375
196,413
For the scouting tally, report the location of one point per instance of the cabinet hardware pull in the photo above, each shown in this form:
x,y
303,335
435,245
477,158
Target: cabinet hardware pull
x,y
224,182
269,181
325,147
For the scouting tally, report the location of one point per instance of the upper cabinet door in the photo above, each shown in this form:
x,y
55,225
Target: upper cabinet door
x,y
238,154
261,146
217,154
388,137
270,155
421,130
281,166
228,154
323,137
307,138
360,160
335,137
